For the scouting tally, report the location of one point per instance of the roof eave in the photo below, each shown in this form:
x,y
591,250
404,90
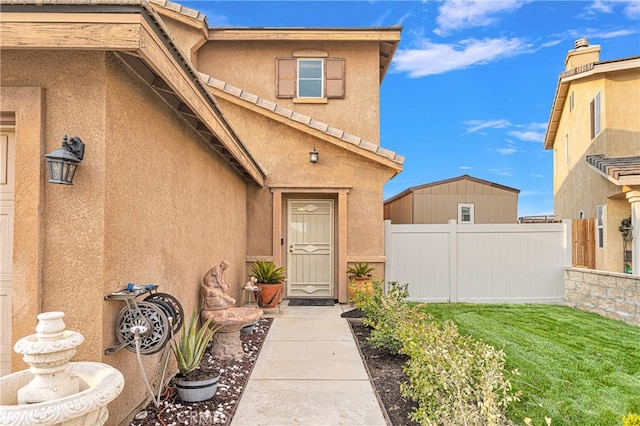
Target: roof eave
x,y
143,36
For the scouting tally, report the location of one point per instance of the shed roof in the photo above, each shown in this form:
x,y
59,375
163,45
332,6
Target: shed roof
x,y
446,181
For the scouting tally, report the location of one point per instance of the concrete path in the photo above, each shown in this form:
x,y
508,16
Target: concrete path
x,y
309,372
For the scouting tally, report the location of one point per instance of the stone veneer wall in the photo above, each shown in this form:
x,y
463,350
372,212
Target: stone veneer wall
x,y
610,294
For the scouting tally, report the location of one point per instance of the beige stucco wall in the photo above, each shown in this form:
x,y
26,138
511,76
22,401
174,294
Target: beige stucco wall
x,y
577,186
283,153
150,204
251,66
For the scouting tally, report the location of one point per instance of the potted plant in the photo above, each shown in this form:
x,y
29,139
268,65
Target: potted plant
x,y
192,383
359,279
270,280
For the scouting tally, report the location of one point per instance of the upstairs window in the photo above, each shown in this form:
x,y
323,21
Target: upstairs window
x,y
595,116
571,101
310,78
465,213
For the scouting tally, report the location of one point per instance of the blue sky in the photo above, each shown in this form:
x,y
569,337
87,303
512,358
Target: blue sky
x,y
471,85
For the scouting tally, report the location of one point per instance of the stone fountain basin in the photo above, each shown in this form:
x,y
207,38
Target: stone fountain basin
x,y
232,319
99,385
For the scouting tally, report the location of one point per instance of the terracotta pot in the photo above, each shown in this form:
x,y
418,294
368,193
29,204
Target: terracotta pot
x,y
362,284
269,295
196,390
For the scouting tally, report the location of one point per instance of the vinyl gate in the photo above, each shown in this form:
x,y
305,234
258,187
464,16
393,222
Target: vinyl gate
x,y
510,263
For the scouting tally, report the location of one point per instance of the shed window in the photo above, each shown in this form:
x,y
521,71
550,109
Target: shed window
x,y
465,213
310,78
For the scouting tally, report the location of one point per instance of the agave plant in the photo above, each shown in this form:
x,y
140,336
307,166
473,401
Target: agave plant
x,y
267,273
189,348
360,269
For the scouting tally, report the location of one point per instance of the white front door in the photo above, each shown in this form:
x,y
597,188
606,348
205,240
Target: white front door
x,y
7,175
310,248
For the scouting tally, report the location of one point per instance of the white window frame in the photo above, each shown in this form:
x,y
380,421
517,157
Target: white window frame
x,y
320,78
470,206
595,110
600,212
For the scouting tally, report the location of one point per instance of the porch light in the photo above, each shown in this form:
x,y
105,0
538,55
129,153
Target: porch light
x,y
313,155
62,162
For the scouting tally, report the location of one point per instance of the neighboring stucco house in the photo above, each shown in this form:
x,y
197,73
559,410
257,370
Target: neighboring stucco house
x,y
198,146
594,131
466,199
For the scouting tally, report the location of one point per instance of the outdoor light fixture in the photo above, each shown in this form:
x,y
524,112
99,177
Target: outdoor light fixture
x,y
63,161
313,155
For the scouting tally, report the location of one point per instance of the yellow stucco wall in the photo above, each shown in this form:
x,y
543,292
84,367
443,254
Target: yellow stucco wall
x,y
251,66
577,186
151,203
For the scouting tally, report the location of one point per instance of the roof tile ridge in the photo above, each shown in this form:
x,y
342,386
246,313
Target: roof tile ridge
x,y
182,10
301,118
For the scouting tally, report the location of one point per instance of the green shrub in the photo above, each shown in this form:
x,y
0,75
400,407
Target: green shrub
x,y
631,420
384,312
455,379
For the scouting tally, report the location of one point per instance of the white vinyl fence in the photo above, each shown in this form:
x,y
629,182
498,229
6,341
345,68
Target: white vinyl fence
x,y
510,263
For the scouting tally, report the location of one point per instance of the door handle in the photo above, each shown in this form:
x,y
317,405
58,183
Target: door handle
x,y
291,248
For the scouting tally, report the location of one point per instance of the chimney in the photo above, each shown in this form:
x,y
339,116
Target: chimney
x,y
582,54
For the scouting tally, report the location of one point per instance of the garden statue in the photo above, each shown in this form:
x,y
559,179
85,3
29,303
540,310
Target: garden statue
x,y
214,287
219,307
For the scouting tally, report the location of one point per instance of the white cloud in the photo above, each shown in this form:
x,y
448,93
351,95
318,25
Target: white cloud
x,y
459,14
507,150
527,135
433,58
501,172
465,167
631,8
476,125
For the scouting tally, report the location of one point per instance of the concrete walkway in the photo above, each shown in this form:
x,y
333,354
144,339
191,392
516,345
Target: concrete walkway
x,y
309,372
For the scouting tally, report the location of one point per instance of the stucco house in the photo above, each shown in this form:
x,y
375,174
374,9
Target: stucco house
x,y
197,149
594,132
465,198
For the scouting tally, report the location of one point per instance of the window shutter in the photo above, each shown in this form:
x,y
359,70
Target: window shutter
x,y
334,76
285,77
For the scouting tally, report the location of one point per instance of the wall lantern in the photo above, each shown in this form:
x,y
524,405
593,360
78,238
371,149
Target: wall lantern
x,y
313,155
62,162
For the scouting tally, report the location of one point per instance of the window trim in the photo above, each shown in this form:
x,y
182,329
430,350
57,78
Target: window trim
x,y
595,109
471,207
600,212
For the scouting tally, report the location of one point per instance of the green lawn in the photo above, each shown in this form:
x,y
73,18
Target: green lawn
x,y
576,367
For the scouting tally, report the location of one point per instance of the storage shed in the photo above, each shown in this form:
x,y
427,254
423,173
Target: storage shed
x,y
465,198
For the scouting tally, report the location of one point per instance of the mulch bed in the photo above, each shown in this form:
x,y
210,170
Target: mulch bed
x,y
385,370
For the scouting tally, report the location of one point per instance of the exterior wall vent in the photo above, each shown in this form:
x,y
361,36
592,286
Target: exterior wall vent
x,y
581,42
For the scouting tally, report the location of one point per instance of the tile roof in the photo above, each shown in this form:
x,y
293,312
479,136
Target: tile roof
x,y
619,170
301,118
455,179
